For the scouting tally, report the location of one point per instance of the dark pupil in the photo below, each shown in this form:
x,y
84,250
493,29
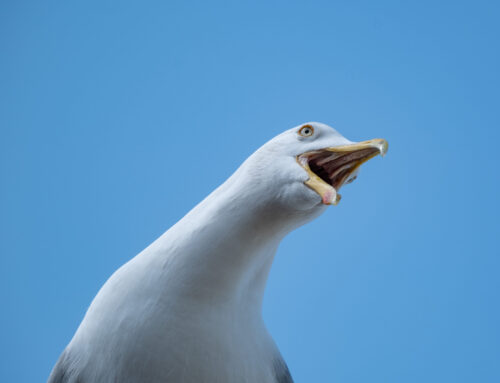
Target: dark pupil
x,y
306,131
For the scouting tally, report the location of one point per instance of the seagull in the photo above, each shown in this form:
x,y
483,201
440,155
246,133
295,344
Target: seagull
x,y
188,308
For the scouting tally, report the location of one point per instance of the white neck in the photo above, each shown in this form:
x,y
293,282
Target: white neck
x,y
241,231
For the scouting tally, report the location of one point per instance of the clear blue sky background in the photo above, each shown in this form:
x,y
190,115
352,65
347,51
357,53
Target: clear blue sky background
x,y
117,117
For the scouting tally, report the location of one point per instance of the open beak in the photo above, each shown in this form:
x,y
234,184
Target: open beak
x,y
330,168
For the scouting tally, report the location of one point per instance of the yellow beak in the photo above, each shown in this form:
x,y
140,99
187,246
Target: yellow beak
x,y
326,190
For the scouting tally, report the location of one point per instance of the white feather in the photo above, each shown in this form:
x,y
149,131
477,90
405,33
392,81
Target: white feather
x,y
188,307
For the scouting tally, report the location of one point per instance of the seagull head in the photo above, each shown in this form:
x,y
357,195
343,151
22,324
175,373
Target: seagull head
x,y
305,167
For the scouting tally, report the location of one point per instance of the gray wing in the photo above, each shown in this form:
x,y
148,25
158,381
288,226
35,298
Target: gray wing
x,y
281,372
64,371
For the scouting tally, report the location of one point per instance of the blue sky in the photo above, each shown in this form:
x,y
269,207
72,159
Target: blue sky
x,y
116,118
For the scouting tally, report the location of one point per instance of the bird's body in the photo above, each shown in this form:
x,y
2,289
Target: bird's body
x,y
188,308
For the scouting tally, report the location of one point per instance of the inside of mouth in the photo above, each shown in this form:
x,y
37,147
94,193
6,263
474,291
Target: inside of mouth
x,y
335,167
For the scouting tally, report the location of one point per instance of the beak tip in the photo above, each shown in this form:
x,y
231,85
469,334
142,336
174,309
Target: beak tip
x,y
383,146
337,199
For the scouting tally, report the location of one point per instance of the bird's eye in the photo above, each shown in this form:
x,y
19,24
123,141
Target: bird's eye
x,y
306,131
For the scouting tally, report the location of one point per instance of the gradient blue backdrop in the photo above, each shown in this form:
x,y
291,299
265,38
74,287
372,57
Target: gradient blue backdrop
x,y
118,117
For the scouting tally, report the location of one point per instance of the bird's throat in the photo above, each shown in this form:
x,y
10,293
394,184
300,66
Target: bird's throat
x,y
221,251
